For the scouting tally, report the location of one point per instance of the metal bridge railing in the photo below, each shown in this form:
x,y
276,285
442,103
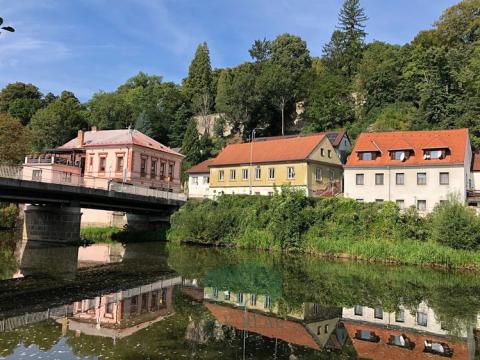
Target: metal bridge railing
x,y
45,174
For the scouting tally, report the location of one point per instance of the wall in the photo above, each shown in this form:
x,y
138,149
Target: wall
x,y
202,188
432,192
54,173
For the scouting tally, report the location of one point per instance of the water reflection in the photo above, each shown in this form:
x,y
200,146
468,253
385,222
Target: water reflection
x,y
144,301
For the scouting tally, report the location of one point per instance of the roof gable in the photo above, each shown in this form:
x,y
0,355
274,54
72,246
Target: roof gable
x,y
201,168
415,141
117,137
279,149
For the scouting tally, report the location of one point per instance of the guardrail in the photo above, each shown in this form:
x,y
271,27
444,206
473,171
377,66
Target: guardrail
x,y
45,174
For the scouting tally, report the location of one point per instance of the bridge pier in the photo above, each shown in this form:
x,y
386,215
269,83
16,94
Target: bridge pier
x,y
59,224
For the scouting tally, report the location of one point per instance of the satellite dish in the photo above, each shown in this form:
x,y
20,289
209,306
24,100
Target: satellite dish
x,y
402,156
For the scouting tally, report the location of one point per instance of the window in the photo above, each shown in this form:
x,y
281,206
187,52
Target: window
x,y
270,193
322,152
162,170
258,173
90,164
245,174
195,180
37,175
400,179
400,315
233,174
153,168
422,178
253,299
239,297
358,310
360,179
422,318
291,172
206,179
119,166
379,201
378,313
267,304
271,173
221,175
444,178
378,179
367,155
332,175
102,164
257,192
422,205
401,204
329,153
318,174
215,293
435,154
226,295
360,200
143,167
109,307
66,177
170,170
399,155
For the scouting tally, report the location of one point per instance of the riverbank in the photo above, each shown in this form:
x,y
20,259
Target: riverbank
x,y
95,235
334,227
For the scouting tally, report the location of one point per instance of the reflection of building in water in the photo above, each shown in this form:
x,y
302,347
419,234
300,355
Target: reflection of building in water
x,y
98,254
192,288
310,325
404,334
125,312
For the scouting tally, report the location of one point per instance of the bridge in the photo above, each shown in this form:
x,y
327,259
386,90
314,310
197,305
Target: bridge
x,y
55,202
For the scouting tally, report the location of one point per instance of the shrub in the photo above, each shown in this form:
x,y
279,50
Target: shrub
x,y
8,216
455,225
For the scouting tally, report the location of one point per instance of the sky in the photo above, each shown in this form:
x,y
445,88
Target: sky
x,y
89,45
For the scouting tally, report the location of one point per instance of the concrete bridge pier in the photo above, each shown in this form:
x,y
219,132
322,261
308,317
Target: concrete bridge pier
x,y
51,223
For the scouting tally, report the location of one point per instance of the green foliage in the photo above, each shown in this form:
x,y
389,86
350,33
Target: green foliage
x,y
8,216
57,123
20,100
14,140
455,225
113,234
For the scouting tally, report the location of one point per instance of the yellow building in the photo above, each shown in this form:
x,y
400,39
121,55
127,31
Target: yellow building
x,y
307,162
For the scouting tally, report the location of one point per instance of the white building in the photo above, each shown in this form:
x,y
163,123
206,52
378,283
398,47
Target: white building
x,y
199,180
411,168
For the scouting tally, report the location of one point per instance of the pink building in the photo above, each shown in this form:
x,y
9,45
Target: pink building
x,y
105,156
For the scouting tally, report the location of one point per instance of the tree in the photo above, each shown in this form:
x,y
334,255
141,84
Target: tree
x,y
347,43
20,100
6,28
191,147
14,140
198,84
261,50
109,111
58,122
460,24
144,125
290,52
179,125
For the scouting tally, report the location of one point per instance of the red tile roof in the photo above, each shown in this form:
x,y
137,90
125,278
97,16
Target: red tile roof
x,y
117,137
269,150
383,351
455,140
289,331
201,168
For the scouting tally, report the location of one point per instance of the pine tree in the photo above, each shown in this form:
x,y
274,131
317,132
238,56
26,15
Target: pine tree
x,y
144,125
198,84
191,146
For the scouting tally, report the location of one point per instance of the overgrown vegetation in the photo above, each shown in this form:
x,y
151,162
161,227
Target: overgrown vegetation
x,y
113,234
289,221
8,216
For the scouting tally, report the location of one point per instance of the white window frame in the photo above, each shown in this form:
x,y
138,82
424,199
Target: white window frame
x,y
271,173
440,178
221,175
233,174
359,176
244,174
291,172
258,173
318,174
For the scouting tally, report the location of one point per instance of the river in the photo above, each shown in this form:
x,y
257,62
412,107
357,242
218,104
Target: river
x,y
155,301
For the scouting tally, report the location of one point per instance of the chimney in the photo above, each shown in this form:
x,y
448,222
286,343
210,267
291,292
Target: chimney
x,y
94,128
80,138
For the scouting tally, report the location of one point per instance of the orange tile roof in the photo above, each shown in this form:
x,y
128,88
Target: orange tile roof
x,y
276,149
117,137
289,331
201,168
418,141
383,351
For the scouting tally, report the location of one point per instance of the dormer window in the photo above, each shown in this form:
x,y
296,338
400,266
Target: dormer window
x,y
400,155
367,155
435,154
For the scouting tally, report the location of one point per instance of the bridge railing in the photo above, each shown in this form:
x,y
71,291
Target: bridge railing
x,y
45,173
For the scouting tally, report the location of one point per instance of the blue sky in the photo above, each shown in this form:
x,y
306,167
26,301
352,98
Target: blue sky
x,y
90,45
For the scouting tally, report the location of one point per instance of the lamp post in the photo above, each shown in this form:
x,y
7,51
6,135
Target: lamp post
x,y
252,138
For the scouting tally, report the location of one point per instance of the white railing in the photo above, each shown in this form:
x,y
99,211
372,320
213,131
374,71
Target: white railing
x,y
45,174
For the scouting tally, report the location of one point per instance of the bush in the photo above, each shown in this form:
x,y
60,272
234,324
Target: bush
x,y
8,216
455,225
